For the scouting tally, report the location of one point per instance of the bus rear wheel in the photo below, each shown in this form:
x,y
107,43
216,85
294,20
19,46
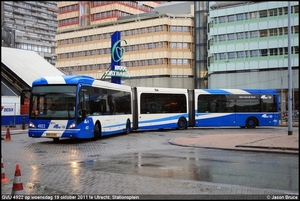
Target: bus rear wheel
x,y
181,124
128,129
251,122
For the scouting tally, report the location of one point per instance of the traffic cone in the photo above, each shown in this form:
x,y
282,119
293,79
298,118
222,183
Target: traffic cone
x,y
18,185
3,178
8,138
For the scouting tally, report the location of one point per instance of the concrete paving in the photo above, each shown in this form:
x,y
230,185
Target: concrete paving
x,y
282,143
42,175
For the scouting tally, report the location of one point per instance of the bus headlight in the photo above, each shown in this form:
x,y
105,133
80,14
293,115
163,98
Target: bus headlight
x,y
72,125
31,125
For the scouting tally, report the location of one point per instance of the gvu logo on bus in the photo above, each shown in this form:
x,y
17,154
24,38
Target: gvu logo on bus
x,y
57,126
266,116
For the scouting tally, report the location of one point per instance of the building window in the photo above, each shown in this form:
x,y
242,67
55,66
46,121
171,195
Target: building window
x,y
247,16
222,37
240,35
240,54
215,38
231,18
273,12
186,29
231,55
286,30
173,28
296,9
240,16
254,53
253,34
264,52
280,31
173,62
273,32
231,36
179,45
295,30
273,52
296,50
263,13
254,15
222,56
285,10
222,19
263,33
281,51
280,12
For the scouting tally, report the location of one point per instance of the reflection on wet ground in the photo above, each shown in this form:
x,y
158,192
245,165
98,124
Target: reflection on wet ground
x,y
221,169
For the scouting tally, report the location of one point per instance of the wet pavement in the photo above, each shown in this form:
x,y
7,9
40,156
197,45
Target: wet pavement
x,y
125,165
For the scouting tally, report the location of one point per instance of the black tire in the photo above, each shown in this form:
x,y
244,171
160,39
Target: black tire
x,y
96,133
128,129
181,124
55,139
251,122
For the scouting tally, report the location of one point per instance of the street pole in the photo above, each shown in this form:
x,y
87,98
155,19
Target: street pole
x,y
290,99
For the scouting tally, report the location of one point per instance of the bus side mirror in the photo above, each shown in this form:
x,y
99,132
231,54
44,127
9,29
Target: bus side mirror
x,y
83,113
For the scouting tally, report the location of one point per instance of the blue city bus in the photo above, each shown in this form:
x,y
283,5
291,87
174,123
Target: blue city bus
x,y
78,107
81,107
246,108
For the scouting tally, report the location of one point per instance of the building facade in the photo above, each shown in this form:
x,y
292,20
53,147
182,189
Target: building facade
x,y
30,25
248,46
159,46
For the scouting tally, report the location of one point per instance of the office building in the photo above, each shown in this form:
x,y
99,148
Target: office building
x,y
159,49
249,46
30,25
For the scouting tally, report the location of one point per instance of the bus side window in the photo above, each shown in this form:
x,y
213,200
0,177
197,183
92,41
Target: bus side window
x,y
103,106
213,107
111,104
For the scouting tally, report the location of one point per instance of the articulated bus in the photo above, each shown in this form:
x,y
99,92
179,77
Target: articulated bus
x,y
81,107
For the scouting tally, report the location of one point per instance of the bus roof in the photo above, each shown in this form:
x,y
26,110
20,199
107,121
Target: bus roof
x,y
236,91
63,79
76,79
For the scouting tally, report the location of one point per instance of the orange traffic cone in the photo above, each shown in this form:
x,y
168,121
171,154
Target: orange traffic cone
x,y
3,178
18,185
8,138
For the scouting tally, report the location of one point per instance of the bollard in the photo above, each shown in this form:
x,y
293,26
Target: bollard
x,y
23,123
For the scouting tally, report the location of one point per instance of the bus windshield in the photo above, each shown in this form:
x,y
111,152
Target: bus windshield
x,y
53,102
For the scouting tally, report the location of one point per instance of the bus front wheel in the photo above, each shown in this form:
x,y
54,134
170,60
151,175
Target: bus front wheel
x,y
251,122
96,132
55,139
181,124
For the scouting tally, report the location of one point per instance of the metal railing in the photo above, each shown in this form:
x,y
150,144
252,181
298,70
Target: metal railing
x,y
284,116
